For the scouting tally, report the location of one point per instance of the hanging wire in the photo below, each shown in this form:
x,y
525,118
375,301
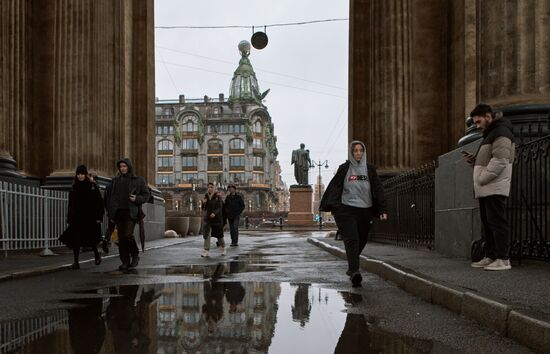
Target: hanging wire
x,y
249,26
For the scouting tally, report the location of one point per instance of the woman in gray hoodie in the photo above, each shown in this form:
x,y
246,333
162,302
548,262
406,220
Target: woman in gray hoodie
x,y
355,196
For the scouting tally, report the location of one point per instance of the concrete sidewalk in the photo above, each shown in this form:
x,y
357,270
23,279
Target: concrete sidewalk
x,y
515,303
21,264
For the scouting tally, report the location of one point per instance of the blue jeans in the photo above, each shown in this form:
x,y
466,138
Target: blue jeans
x,y
234,229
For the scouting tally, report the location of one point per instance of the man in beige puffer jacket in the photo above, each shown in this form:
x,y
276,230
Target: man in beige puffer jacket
x,y
492,177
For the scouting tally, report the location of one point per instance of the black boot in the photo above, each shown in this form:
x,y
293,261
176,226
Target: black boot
x,y
135,261
105,246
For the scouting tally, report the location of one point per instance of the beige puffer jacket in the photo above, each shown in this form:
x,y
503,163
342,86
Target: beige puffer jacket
x,y
494,159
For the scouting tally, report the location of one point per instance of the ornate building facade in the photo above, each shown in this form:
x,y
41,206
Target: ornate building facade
x,y
220,141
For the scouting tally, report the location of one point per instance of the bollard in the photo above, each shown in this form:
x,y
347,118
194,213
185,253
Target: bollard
x,y
246,223
280,223
320,222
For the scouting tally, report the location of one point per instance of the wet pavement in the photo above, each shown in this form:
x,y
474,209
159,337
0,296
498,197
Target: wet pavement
x,y
214,316
273,294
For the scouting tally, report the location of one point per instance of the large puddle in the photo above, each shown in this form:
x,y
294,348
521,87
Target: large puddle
x,y
210,316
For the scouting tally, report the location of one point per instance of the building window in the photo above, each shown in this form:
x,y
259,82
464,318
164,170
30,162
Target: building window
x,y
165,162
165,145
236,144
189,144
215,163
257,143
188,178
189,161
236,128
215,146
237,178
167,111
257,178
258,127
190,126
236,161
258,161
165,179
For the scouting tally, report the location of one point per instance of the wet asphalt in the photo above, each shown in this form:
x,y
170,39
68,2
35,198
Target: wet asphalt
x,y
275,293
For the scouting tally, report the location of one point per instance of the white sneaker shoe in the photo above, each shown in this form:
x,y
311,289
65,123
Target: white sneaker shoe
x,y
483,263
205,253
224,252
499,264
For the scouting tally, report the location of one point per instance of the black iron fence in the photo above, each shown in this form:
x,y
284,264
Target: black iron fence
x,y
410,197
529,201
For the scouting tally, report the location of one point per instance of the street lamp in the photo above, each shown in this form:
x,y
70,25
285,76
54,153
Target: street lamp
x,y
319,164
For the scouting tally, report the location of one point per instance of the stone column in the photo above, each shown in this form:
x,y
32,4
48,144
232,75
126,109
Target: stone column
x,y
14,73
514,52
398,70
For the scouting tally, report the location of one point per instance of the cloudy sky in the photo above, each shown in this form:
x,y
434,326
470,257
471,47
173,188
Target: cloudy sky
x,y
304,66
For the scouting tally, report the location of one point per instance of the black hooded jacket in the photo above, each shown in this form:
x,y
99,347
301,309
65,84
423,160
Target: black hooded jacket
x,y
122,187
332,198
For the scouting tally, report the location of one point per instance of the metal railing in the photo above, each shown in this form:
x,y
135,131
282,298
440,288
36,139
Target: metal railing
x,y
31,217
529,201
15,334
410,197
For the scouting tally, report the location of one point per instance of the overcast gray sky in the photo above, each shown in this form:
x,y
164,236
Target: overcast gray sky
x,y
306,67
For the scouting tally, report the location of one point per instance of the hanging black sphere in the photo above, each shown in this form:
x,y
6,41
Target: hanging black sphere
x,y
259,40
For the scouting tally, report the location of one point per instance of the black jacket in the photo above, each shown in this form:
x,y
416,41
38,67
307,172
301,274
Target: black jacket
x,y
137,186
234,206
213,206
332,198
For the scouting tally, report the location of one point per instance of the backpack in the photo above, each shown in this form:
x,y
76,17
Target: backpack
x,y
477,251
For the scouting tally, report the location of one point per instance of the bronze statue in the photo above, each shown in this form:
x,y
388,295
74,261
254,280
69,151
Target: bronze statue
x,y
302,164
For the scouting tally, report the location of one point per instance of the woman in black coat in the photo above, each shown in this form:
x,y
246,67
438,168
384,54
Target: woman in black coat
x,y
84,215
355,196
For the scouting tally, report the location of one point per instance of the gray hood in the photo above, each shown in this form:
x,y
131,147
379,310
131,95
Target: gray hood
x,y
130,166
361,166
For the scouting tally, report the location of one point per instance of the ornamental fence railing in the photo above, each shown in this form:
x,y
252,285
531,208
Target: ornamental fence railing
x,y
529,201
410,197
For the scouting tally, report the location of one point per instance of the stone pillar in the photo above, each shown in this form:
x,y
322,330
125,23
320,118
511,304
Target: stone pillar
x,y
300,206
14,76
514,52
397,80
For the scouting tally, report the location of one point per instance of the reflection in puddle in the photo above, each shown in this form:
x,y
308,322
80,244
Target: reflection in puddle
x,y
210,316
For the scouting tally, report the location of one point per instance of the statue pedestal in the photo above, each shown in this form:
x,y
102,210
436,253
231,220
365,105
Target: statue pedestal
x,y
300,206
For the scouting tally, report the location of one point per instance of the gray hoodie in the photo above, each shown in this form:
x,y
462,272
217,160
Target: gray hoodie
x,y
357,189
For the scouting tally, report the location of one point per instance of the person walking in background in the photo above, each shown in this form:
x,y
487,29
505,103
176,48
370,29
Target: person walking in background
x,y
212,205
355,196
84,215
128,193
233,207
492,178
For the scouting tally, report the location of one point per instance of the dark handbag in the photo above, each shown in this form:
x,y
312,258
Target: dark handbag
x,y
478,250
66,237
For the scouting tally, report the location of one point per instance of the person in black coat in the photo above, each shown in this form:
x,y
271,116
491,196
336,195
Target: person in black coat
x,y
212,205
355,196
84,215
233,207
128,193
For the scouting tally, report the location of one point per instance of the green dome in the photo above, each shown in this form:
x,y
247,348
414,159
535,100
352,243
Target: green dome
x,y
244,85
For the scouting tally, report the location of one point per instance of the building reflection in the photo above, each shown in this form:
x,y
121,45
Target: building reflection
x,y
220,317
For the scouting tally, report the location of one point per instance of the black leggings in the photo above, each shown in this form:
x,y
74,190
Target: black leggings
x,y
353,225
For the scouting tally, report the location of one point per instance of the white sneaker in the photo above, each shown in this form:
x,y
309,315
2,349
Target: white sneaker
x,y
483,263
224,252
499,264
205,253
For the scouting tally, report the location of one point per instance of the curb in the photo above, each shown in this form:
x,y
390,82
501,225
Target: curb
x,y
526,328
20,274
